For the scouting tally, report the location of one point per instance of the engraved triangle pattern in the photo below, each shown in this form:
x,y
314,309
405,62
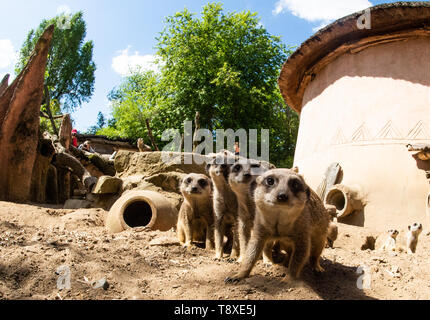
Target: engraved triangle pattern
x,y
419,131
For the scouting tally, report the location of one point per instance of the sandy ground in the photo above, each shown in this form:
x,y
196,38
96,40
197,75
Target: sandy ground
x,y
138,264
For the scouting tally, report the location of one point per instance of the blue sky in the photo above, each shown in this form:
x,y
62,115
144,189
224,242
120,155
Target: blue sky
x,y
124,31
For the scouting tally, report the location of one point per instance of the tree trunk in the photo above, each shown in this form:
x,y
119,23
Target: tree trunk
x,y
154,145
197,127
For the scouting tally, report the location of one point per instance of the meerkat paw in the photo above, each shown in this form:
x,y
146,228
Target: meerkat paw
x,y
232,260
235,278
318,270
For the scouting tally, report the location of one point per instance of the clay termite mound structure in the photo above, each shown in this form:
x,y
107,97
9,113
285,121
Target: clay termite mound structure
x,y
361,86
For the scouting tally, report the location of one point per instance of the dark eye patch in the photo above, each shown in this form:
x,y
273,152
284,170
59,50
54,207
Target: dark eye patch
x,y
237,168
203,183
189,180
295,185
254,166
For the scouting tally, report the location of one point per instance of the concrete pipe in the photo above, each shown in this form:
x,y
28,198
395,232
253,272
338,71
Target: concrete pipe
x,y
345,199
141,209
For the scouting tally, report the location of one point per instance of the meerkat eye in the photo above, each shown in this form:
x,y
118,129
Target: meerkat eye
x,y
256,166
270,181
189,180
203,183
295,185
237,168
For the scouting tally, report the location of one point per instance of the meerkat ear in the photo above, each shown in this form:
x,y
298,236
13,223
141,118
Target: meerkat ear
x,y
409,228
208,166
296,169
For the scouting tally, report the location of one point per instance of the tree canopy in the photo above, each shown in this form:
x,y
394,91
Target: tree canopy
x,y
224,66
70,71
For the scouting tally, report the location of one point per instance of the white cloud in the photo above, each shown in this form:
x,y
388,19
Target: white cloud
x,y
320,12
125,63
8,56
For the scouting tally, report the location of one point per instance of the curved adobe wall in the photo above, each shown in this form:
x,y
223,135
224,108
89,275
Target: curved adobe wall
x,y
361,110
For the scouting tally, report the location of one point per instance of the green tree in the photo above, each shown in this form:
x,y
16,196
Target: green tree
x,y
70,72
223,65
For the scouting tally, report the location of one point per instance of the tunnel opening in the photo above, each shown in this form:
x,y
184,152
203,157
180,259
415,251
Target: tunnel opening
x,y
337,199
138,214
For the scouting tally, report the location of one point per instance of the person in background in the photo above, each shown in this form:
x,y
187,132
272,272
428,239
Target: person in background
x,y
236,148
75,138
86,146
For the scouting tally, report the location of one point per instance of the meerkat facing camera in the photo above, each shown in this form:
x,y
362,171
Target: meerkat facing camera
x,y
414,232
196,214
289,211
224,204
241,180
390,242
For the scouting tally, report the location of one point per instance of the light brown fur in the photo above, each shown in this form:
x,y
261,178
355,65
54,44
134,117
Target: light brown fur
x,y
142,146
414,232
241,179
225,206
289,211
195,220
332,233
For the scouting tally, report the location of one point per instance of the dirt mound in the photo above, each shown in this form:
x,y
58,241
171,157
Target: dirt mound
x,y
138,264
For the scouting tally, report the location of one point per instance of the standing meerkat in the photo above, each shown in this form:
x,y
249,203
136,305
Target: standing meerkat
x,y
390,243
142,146
332,234
289,211
242,180
196,214
224,204
414,232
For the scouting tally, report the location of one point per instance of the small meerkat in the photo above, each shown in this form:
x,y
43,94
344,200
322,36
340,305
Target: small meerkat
x,y
414,232
332,234
224,204
289,211
142,146
390,243
242,180
196,214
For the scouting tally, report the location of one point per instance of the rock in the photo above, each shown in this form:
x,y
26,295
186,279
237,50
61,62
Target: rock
x,y
19,123
77,204
107,185
164,241
102,283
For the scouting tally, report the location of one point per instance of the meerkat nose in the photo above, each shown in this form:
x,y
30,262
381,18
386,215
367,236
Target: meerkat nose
x,y
194,189
282,197
247,175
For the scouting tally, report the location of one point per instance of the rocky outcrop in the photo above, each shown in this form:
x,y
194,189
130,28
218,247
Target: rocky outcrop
x,y
19,124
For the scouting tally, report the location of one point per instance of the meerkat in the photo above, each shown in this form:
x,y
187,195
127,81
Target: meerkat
x,y
390,242
196,213
289,211
332,233
242,180
224,204
142,146
414,232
